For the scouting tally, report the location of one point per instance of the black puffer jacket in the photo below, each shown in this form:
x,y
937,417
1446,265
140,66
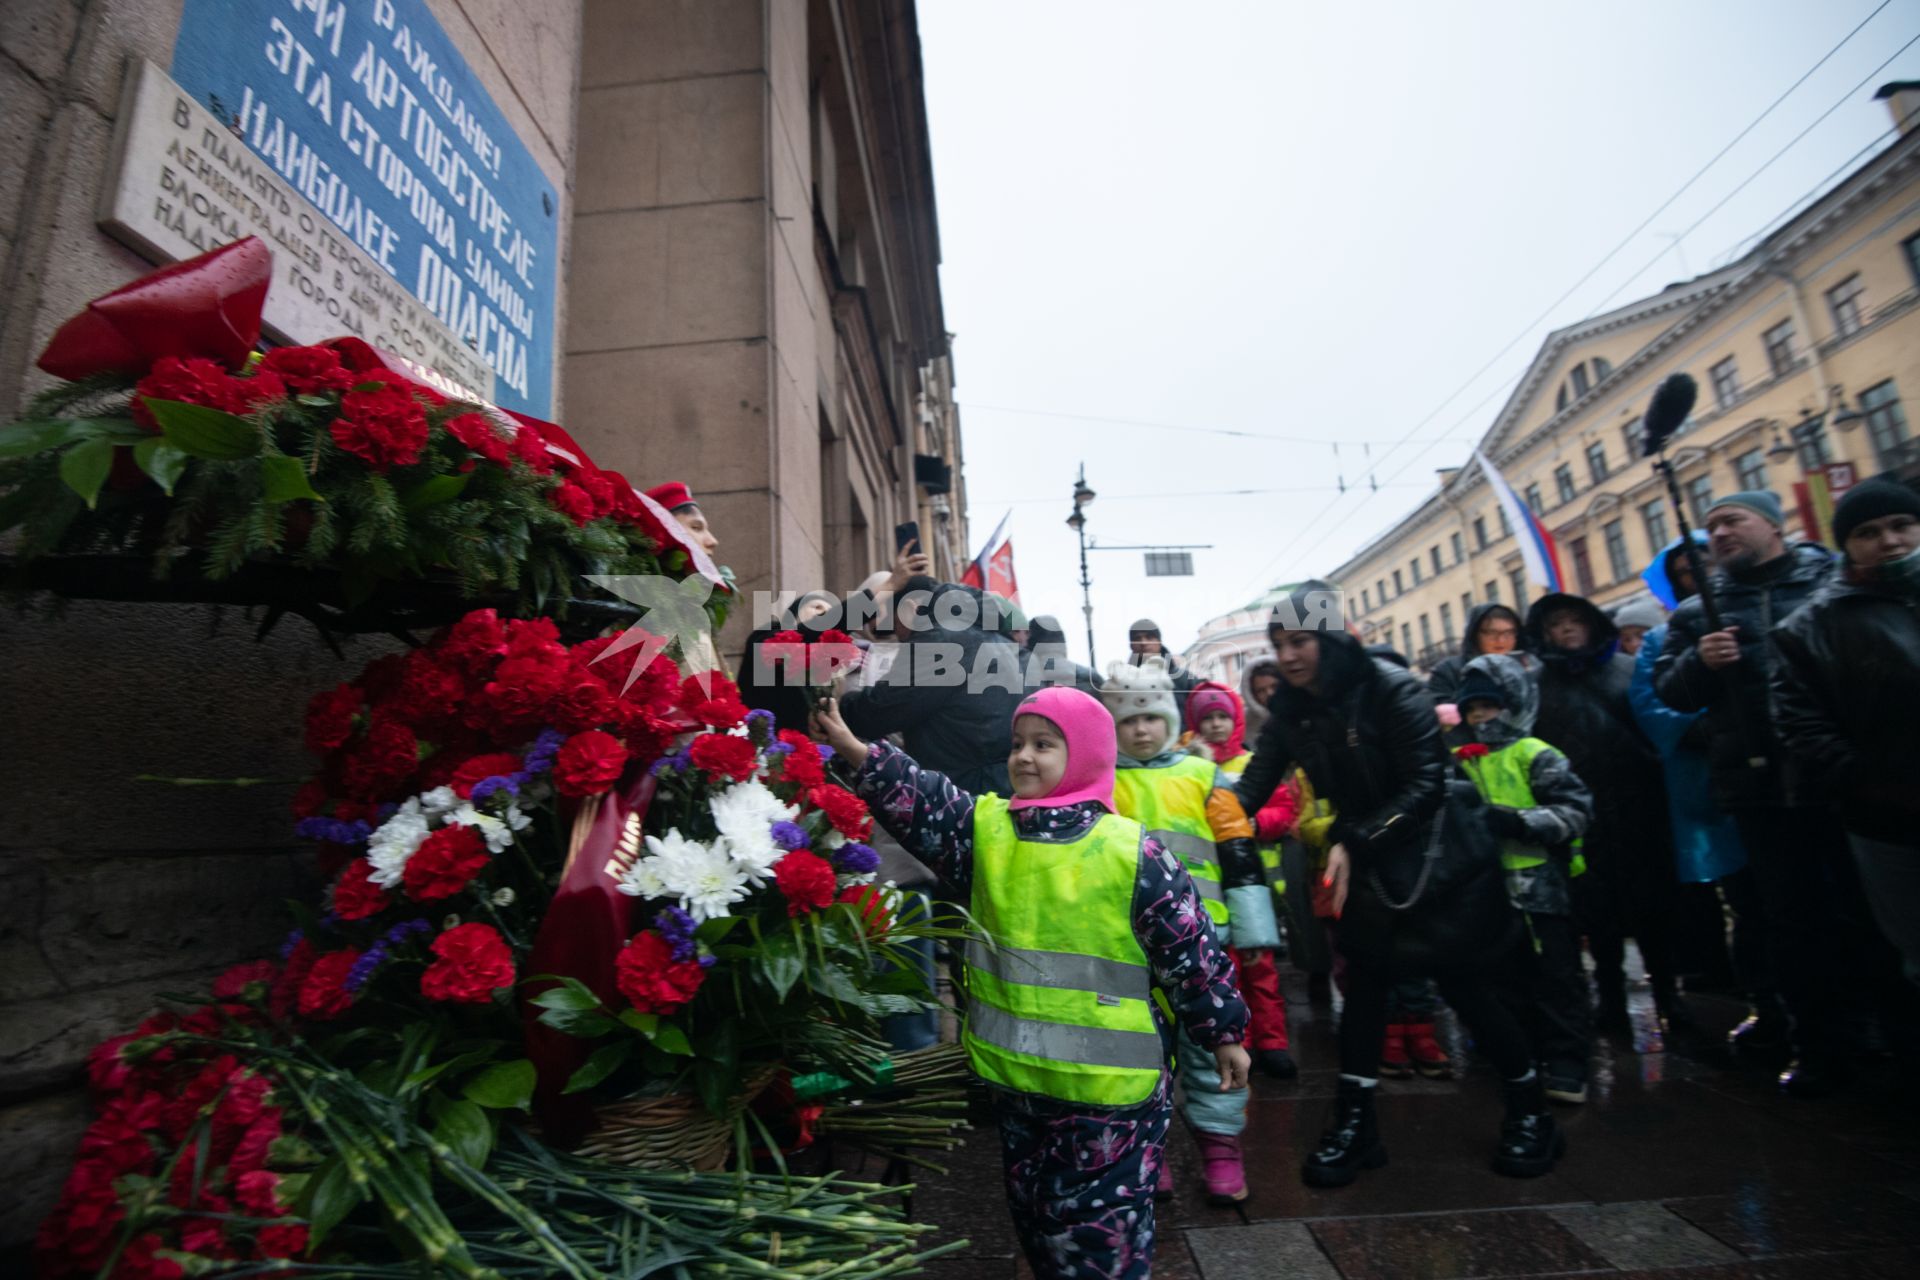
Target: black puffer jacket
x,y
1747,766
1370,745
1449,671
950,695
1846,697
1584,712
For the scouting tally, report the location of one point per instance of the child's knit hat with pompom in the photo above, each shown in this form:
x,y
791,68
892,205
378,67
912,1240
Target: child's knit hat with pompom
x,y
1145,690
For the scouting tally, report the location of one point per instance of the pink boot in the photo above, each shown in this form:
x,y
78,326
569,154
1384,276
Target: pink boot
x,y
1163,1187
1220,1158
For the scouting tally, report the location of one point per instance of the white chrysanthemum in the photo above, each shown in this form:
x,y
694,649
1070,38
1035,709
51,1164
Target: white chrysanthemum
x,y
833,839
439,800
389,847
704,878
643,880
745,814
498,832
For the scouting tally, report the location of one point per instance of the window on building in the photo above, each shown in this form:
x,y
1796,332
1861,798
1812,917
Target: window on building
x,y
1635,437
1380,589
1601,368
1844,301
1699,497
1725,375
1426,634
1810,438
1597,461
1617,562
1366,600
1479,533
1582,565
1493,591
1654,516
1886,420
1750,469
1446,623
1779,343
1414,564
1466,605
1579,380
1560,399
1518,581
1533,500
1459,547
1506,525
1563,482
1439,565
1406,639
1397,587
1911,245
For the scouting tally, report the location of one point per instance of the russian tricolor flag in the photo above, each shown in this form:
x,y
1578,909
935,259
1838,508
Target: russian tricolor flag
x,y
1537,550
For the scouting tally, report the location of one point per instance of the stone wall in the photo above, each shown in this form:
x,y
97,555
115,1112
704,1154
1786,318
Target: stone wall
x,y
111,889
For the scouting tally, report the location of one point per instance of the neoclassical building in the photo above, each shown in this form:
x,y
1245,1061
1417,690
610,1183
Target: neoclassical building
x,y
1805,350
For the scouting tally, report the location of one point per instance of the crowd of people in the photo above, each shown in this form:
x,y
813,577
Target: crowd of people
x,y
1723,775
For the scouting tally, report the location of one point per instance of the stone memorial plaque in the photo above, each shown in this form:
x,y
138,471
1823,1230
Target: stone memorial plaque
x,y
180,183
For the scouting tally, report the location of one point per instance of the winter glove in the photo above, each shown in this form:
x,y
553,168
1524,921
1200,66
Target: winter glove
x,y
1508,822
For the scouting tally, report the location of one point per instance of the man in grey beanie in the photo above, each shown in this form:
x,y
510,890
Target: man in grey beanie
x,y
1814,916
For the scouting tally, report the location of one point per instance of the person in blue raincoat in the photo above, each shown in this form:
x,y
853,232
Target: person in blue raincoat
x,y
1706,843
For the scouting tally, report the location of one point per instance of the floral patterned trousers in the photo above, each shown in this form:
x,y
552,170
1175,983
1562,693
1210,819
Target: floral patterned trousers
x,y
1080,1184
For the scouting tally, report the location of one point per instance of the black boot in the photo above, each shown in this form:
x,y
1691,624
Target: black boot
x,y
1764,1032
1530,1141
1610,1006
1813,1075
1277,1063
1351,1142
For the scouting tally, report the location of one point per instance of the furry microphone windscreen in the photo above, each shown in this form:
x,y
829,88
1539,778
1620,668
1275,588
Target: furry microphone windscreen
x,y
1672,402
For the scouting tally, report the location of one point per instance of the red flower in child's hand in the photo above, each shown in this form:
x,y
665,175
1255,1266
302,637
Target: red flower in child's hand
x,y
588,763
806,879
803,764
473,963
191,380
724,755
1474,751
330,717
324,994
445,863
652,979
846,811
385,427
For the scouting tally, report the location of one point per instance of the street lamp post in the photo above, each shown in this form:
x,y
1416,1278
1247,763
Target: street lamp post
x,y
1082,495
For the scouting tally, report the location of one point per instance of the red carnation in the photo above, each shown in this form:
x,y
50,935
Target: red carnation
x,y
871,904
307,370
383,760
330,717
652,979
1474,751
806,879
473,963
286,1240
259,1192
324,994
531,449
233,984
479,768
712,699
573,502
385,427
647,735
518,697
477,433
191,379
261,387
724,755
585,703
846,811
473,643
429,693
803,764
444,864
784,646
589,763
309,800
355,897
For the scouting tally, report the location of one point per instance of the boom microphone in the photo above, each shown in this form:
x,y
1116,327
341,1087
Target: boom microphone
x,y
1672,402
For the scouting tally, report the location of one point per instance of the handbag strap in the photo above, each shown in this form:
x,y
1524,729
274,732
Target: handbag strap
x,y
1427,860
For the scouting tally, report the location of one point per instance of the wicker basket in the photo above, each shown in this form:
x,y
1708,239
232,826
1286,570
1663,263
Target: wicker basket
x,y
672,1130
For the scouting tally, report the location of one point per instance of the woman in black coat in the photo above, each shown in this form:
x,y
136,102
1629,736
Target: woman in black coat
x,y
1366,734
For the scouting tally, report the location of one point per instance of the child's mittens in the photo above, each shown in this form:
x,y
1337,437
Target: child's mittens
x,y
1508,822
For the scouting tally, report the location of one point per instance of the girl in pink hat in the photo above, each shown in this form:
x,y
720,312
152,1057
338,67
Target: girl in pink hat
x,y
1096,933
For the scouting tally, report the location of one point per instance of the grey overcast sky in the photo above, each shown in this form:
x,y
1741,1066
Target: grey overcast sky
x,y
1317,221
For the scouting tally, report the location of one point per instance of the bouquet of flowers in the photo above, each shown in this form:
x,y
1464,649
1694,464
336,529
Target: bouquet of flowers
x,y
172,438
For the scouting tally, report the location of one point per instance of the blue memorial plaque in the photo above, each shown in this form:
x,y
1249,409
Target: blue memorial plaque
x,y
366,109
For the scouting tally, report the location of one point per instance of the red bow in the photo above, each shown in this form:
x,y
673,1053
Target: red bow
x,y
206,306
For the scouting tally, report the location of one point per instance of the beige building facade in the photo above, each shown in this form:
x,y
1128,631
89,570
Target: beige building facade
x,y
743,259
1806,351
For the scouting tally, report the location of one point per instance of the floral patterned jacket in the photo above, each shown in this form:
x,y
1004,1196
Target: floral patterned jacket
x,y
933,820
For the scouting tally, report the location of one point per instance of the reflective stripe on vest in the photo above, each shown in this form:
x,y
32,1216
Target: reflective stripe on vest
x,y
1505,777
1171,803
1060,1005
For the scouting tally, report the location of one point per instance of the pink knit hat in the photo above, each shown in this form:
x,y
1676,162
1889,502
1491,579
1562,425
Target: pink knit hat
x,y
1088,731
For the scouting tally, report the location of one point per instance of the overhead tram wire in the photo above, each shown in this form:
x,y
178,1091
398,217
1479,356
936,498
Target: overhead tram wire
x,y
1205,493
1614,252
1166,426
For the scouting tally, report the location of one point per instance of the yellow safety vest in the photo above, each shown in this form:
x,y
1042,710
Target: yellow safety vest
x,y
1171,803
1060,1004
1505,777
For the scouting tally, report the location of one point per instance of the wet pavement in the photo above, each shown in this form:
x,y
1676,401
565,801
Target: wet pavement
x,y
1683,1164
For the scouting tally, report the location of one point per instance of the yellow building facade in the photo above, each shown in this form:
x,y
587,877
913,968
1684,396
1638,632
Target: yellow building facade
x,y
1806,351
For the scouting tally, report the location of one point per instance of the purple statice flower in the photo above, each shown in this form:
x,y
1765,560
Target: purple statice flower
x,y
370,959
677,927
539,757
507,782
855,859
789,835
759,724
294,939
779,749
330,920
826,752
333,830
674,761
706,961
